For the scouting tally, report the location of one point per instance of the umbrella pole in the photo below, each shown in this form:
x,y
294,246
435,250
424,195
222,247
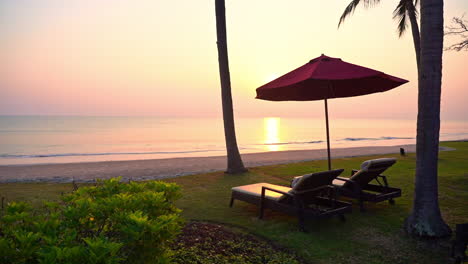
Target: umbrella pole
x,y
328,134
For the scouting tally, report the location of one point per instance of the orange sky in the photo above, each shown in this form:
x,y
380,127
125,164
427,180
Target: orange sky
x,y
148,57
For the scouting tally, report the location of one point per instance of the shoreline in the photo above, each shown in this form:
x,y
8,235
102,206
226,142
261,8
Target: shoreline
x,y
152,169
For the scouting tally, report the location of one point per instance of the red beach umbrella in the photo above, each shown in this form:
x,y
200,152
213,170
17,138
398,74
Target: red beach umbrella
x,y
325,78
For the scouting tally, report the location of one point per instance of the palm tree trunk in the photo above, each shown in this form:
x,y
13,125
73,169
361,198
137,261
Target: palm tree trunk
x,y
425,219
234,161
415,31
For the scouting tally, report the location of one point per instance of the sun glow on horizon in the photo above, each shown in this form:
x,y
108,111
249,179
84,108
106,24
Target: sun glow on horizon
x,y
136,58
272,133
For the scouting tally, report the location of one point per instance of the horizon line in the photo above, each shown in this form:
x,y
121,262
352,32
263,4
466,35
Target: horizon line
x,y
211,117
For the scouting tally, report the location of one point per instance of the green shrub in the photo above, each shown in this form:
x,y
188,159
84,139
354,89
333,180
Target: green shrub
x,y
109,223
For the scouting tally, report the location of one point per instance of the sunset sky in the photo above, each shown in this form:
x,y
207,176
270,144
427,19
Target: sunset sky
x,y
159,58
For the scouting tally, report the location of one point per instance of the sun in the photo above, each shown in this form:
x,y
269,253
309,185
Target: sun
x,y
272,133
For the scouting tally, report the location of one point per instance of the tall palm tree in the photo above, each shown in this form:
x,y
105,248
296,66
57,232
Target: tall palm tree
x,y
425,218
234,161
404,12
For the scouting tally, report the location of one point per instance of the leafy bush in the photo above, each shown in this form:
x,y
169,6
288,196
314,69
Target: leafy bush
x,y
109,223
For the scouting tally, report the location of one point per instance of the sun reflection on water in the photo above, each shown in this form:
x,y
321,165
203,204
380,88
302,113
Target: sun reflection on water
x,y
271,132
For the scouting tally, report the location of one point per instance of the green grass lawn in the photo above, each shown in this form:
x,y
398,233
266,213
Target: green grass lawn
x,y
375,236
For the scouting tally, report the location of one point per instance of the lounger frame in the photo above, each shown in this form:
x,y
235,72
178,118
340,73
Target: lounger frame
x,y
370,192
315,203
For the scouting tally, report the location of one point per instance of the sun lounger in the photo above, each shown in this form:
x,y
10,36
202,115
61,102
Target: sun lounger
x,y
358,186
312,197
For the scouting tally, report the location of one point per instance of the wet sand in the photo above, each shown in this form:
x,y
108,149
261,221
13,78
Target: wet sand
x,y
173,167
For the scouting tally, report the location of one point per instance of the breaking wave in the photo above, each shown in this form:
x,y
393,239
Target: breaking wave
x,y
55,155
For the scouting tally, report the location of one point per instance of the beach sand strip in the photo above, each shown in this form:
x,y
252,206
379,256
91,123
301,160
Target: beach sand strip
x,y
174,167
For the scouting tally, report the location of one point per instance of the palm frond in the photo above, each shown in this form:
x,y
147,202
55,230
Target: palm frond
x,y
370,3
401,12
349,10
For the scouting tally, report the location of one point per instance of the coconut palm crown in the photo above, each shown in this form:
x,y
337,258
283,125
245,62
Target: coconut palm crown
x,y
404,12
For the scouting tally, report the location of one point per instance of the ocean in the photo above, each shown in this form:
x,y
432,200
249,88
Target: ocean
x,y
64,139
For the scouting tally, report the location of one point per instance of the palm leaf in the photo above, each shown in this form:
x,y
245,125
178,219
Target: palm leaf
x,y
349,10
401,12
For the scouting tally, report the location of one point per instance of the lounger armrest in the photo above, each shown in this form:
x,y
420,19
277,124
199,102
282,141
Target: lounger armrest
x,y
345,180
354,185
274,190
297,200
353,171
264,189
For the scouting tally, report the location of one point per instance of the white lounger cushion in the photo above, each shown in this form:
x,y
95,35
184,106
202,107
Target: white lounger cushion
x,y
377,163
339,183
256,190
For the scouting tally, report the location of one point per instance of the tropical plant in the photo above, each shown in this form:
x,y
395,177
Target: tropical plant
x,y
425,218
104,224
234,161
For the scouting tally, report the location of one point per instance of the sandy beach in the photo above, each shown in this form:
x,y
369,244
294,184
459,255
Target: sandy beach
x,y
174,167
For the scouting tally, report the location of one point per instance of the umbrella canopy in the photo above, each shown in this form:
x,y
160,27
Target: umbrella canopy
x,y
324,78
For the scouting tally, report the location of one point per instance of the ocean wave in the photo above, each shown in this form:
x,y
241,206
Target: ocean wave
x,y
454,134
291,143
321,141
56,155
371,139
36,131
